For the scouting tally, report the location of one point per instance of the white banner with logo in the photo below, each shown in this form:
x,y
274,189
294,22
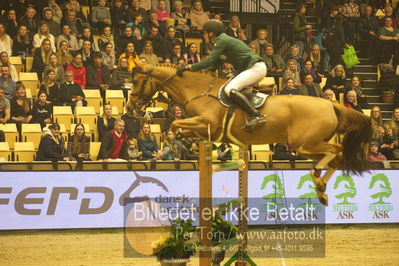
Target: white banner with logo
x,y
48,200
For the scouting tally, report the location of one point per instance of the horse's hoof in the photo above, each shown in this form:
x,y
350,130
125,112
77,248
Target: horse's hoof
x,y
324,199
322,187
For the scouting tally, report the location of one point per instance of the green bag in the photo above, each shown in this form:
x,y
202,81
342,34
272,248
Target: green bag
x,y
350,57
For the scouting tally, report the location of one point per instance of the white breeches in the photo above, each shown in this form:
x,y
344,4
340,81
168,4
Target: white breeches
x,y
247,78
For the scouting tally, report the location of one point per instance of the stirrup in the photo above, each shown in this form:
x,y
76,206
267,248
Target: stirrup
x,y
255,121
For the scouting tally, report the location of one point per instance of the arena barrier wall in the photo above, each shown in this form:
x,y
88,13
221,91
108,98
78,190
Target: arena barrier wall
x,y
50,200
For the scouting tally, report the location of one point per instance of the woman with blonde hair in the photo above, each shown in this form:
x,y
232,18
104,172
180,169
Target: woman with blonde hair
x,y
317,59
234,26
57,68
148,53
394,122
78,146
21,111
51,88
336,80
41,58
42,34
63,56
172,148
105,122
376,116
292,73
148,143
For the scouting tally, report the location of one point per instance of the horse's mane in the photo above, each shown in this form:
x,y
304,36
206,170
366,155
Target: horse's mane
x,y
169,65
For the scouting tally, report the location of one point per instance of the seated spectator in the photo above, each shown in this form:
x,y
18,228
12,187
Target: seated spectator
x,y
57,12
394,122
119,17
22,44
181,17
71,92
336,80
294,54
78,148
159,43
6,82
242,36
5,41
226,71
53,27
106,37
136,8
132,123
67,36
57,68
318,61
198,16
121,75
329,95
5,113
10,22
131,55
43,34
308,69
274,62
114,142
127,37
389,13
351,12
30,20
192,56
374,155
224,152
86,36
176,113
376,116
234,26
389,143
260,42
356,86
138,29
42,111
64,58
352,101
73,5
177,54
301,28
368,28
98,75
21,112
78,70
388,36
282,151
153,22
309,88
52,146
109,56
86,52
161,11
292,73
75,23
51,88
148,144
5,61
100,15
171,38
148,54
172,148
154,4
290,88
132,152
106,122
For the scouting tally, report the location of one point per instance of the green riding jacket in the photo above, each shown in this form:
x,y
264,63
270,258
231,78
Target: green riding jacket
x,y
237,53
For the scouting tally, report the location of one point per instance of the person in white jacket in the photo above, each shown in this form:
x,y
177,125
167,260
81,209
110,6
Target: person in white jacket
x,y
5,41
43,33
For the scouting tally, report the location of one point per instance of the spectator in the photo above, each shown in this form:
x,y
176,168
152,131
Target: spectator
x,y
290,88
374,155
234,26
154,5
52,146
132,152
71,92
74,5
227,71
54,27
159,43
336,80
224,152
10,22
148,144
57,12
351,12
352,101
106,37
68,37
335,41
86,36
388,36
329,95
75,23
138,29
394,122
176,113
21,111
309,88
389,13
308,69
78,148
114,142
181,17
301,27
51,88
130,55
171,38
172,148
376,116
283,151
389,143
109,56
356,86
7,83
260,42
42,111
43,34
162,13
242,36
127,37
30,21
86,52
148,54
106,122
318,60
64,58
177,55
5,41
5,61
22,45
119,17
294,54
20,7
78,70
274,62
136,10
197,15
192,56
368,28
100,15
5,113
132,123
328,20
98,75
57,68
292,73
121,75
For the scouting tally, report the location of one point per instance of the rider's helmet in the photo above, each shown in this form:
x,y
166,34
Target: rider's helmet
x,y
214,26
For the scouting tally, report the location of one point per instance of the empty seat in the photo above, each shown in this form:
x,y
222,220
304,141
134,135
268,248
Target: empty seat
x,y
156,130
323,82
63,115
261,152
5,151
11,133
86,115
115,98
28,63
31,81
24,151
17,62
94,150
93,98
32,133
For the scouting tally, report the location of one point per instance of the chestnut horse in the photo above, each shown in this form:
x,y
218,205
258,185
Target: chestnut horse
x,y
305,123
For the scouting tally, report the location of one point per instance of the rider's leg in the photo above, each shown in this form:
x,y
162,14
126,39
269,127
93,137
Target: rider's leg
x,y
247,78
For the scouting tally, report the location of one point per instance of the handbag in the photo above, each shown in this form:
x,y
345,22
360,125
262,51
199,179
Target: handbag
x,y
350,58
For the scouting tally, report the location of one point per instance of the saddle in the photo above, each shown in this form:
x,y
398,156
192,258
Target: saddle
x,y
257,99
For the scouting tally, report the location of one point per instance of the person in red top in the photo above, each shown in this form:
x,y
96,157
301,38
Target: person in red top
x,y
374,155
78,69
114,142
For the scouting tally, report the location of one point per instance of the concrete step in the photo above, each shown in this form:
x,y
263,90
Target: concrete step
x,y
366,75
372,91
365,61
386,115
384,106
365,68
369,83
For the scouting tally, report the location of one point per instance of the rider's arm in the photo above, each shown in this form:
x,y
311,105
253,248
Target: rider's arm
x,y
213,59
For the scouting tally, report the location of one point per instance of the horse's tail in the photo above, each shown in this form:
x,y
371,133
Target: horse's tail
x,y
357,129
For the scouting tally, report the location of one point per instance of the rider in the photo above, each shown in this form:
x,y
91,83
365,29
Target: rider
x,y
251,67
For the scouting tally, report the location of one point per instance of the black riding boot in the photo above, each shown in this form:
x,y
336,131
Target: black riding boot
x,y
241,100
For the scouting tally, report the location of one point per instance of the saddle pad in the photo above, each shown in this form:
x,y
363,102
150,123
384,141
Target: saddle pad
x,y
257,99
